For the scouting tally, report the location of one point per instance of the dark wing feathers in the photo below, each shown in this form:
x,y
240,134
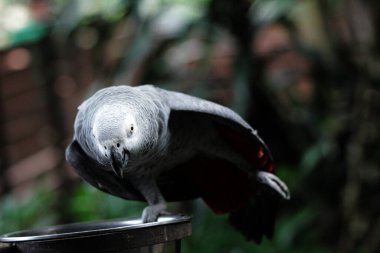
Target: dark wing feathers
x,y
252,207
220,184
230,126
256,218
177,184
246,143
95,174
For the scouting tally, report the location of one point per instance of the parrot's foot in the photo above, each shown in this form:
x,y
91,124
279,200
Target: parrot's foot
x,y
274,182
151,213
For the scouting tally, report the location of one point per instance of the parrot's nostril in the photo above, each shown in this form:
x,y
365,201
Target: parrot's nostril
x,y
117,144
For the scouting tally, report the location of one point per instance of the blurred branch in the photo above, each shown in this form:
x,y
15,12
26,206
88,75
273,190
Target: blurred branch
x,y
354,160
4,185
234,16
49,60
356,223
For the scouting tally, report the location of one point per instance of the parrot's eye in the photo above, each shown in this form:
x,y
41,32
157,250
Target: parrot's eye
x,y
130,131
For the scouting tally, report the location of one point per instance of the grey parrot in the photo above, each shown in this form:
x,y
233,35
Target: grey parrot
x,y
149,144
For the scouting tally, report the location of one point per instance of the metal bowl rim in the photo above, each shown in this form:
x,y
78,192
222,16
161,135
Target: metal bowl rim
x,y
13,238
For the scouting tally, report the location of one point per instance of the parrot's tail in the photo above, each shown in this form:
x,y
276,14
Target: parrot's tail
x,y
256,218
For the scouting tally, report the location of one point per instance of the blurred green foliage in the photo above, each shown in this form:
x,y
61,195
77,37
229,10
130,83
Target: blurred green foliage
x,y
88,203
32,211
84,204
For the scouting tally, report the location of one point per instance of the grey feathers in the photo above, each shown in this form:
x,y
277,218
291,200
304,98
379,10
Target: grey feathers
x,y
113,111
146,143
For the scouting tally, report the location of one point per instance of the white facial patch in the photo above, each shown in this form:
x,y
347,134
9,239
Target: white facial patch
x,y
115,124
132,131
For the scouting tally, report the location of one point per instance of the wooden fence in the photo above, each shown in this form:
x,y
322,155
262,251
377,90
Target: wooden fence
x,y
40,88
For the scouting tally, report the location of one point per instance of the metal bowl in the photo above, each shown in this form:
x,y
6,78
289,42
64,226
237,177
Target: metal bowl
x,y
98,236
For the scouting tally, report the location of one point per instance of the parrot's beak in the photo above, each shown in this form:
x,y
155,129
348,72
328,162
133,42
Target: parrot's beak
x,y
119,160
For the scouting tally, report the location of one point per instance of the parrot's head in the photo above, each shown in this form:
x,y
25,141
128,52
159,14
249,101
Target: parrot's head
x,y
122,135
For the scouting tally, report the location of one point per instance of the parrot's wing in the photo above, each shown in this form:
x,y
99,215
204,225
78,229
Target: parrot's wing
x,y
229,125
223,186
96,175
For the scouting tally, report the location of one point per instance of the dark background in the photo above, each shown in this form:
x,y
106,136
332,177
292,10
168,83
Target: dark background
x,y
304,73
